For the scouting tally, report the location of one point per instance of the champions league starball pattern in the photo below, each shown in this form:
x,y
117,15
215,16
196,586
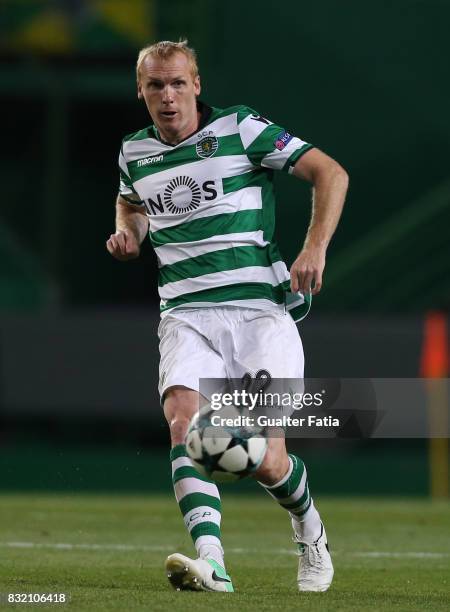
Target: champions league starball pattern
x,y
223,453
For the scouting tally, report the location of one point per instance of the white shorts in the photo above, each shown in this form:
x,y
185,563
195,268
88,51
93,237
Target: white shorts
x,y
227,342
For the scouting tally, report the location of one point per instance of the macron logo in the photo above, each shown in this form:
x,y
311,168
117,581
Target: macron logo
x,y
149,160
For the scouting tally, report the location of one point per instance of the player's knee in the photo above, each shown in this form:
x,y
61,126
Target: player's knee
x,y
179,408
178,430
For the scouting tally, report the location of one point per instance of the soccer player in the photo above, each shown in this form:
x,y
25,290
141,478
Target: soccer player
x,y
200,180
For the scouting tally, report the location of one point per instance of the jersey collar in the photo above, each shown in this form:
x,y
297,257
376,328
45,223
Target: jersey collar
x,y
205,114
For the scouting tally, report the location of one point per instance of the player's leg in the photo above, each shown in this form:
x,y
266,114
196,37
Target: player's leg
x,y
270,341
199,502
183,355
284,478
198,498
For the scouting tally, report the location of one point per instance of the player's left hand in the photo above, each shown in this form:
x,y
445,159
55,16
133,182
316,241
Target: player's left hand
x,y
307,270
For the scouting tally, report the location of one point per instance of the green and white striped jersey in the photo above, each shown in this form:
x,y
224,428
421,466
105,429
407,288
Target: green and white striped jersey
x,y
211,209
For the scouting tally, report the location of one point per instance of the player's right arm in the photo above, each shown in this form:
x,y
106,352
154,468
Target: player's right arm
x,y
131,229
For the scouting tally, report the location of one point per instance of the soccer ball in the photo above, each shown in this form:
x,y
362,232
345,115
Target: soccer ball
x,y
224,454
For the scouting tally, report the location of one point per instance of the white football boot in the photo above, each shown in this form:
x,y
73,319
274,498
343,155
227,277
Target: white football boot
x,y
315,568
197,574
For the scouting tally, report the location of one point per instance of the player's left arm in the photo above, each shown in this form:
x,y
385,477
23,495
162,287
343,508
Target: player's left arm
x,y
330,183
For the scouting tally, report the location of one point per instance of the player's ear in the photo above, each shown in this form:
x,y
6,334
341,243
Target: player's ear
x,y
197,85
139,90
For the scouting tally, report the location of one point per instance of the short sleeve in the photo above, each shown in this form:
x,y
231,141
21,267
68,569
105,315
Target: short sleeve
x,y
126,189
268,144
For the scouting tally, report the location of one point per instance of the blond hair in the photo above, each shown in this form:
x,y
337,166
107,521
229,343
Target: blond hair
x,y
164,50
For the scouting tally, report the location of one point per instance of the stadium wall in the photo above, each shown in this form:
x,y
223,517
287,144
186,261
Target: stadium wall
x,y
104,364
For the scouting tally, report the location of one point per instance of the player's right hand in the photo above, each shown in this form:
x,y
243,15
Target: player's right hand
x,y
123,245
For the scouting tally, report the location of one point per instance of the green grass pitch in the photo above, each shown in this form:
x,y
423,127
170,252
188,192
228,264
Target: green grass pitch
x,y
107,553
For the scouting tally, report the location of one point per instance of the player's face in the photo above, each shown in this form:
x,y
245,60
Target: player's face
x,y
170,92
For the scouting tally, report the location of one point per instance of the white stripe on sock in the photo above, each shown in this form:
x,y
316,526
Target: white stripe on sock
x,y
180,462
296,494
189,485
206,540
201,514
307,527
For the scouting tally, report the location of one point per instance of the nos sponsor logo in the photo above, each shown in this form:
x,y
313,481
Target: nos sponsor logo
x,y
181,195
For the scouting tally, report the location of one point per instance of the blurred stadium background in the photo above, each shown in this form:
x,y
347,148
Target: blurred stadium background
x,y
367,83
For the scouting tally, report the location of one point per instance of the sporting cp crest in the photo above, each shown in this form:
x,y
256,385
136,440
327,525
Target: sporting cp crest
x,y
207,146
